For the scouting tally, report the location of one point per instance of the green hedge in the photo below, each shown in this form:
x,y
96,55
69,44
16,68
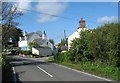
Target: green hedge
x,y
6,68
95,47
25,52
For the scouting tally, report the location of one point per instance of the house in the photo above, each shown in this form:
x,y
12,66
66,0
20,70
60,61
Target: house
x,y
64,48
40,38
43,51
76,34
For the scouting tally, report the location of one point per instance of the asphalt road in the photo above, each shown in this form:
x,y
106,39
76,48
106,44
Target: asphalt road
x,y
31,69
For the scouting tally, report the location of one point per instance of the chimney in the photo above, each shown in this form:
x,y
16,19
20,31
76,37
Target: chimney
x,y
81,23
44,35
25,35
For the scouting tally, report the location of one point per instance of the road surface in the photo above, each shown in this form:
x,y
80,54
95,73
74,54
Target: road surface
x,y
36,69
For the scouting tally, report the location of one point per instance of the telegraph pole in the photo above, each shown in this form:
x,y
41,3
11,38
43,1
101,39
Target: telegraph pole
x,y
65,38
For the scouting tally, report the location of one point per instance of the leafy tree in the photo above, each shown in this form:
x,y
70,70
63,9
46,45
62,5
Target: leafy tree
x,y
9,13
52,41
62,43
79,48
100,46
33,44
0,38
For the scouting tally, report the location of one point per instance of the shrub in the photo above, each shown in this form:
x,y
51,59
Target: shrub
x,y
6,68
26,52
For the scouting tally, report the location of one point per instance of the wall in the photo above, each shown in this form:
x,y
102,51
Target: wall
x,y
45,51
35,51
75,35
22,43
42,51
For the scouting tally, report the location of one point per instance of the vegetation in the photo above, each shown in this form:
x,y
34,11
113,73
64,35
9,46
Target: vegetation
x,y
25,52
62,44
6,68
52,41
0,38
0,60
9,28
95,51
33,44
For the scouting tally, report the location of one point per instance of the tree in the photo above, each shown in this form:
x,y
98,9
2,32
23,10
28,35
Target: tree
x,y
9,13
0,38
51,41
33,44
62,43
79,48
104,44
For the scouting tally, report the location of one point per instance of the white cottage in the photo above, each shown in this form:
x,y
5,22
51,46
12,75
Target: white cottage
x,y
40,38
76,34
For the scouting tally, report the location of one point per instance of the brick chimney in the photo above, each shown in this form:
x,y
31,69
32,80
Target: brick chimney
x,y
81,23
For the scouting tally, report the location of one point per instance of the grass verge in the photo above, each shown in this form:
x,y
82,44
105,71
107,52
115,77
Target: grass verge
x,y
99,70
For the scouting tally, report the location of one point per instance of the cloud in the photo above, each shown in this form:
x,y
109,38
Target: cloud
x,y
107,19
47,9
23,5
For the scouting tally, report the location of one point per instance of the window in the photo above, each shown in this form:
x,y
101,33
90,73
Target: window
x,y
47,43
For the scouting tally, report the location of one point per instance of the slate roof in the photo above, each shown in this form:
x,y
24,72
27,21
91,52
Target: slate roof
x,y
40,41
39,33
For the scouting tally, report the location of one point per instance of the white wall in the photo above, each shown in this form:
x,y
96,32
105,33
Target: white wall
x,y
35,51
75,35
22,43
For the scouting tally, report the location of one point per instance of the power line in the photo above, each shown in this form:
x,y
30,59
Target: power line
x,y
56,15
49,14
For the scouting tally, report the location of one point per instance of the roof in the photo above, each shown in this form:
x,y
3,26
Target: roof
x,y
39,33
40,41
40,47
64,48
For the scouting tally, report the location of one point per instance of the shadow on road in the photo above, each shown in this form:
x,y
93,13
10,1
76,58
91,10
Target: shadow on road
x,y
24,61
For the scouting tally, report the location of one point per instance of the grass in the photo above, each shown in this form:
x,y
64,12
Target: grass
x,y
100,70
51,59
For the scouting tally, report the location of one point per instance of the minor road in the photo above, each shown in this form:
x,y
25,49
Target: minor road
x,y
36,69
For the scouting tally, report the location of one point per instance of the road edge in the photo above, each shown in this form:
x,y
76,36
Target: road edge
x,y
83,72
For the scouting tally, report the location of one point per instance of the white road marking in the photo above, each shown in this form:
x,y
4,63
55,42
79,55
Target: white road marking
x,y
45,71
82,72
14,74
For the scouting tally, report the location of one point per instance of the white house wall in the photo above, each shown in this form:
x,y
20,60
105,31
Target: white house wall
x,y
35,51
76,34
22,43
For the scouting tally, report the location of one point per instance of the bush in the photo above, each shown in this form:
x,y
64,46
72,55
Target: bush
x,y
0,59
62,57
6,68
26,52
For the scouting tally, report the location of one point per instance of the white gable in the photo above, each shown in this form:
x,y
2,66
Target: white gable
x,y
76,34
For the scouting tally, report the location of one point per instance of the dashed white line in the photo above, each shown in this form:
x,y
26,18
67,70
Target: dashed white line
x,y
14,74
44,71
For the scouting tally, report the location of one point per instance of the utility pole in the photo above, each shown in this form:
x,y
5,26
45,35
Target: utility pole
x,y
65,38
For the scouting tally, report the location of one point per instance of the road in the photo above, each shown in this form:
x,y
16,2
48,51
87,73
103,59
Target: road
x,y
36,69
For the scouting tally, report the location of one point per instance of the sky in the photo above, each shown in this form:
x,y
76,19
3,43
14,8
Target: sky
x,y
55,17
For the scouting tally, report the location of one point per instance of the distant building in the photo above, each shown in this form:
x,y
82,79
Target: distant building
x,y
40,38
76,34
